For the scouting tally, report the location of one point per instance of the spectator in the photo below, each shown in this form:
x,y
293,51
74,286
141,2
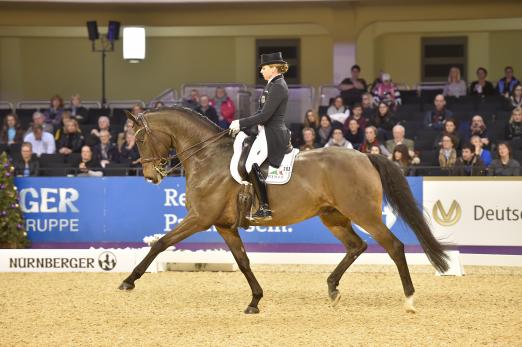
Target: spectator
x,y
72,139
374,149
224,106
514,126
387,92
401,157
53,115
127,127
469,164
106,151
338,140
103,124
337,111
41,141
447,154
309,139
435,119
484,154
357,114
26,166
353,87
88,165
506,84
66,117
78,111
208,111
129,150
455,86
516,97
325,130
159,104
370,139
39,119
193,100
450,128
354,133
399,139
368,107
505,165
12,131
482,87
311,120
478,127
384,121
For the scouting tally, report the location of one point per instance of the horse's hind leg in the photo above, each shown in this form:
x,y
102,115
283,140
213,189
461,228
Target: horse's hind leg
x,y
341,228
234,243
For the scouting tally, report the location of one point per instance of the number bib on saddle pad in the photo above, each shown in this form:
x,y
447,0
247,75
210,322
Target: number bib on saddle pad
x,y
279,175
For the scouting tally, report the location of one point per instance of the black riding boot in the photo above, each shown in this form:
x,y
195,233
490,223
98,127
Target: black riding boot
x,y
258,181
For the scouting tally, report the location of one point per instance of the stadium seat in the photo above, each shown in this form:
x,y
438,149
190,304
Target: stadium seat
x,y
115,169
48,159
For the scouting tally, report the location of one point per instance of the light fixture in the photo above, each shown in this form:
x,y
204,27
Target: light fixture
x,y
134,44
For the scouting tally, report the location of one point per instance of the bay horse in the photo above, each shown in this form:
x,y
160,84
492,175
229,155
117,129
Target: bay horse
x,y
339,185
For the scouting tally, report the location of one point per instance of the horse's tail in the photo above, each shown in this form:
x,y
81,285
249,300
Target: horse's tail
x,y
400,198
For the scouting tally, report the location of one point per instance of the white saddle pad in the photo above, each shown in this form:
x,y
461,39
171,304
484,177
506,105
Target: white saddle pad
x,y
280,175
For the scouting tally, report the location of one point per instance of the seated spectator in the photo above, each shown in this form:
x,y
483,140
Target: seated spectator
x,y
12,131
39,119
357,114
455,86
58,133
26,165
41,141
72,139
505,165
368,106
224,106
129,150
337,111
506,84
311,120
159,104
78,111
325,130
384,121
401,157
374,149
469,164
88,165
354,133
484,154
450,128
193,99
387,92
514,126
106,151
309,139
447,154
353,87
482,87
103,124
516,97
127,127
435,119
370,139
208,111
338,140
399,139
478,127
53,115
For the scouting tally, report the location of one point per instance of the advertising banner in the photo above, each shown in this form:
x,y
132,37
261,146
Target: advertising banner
x,y
62,212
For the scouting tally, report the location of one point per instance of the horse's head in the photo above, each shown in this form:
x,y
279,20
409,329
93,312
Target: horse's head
x,y
154,147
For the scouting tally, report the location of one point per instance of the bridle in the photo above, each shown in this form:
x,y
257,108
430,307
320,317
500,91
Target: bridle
x,y
159,163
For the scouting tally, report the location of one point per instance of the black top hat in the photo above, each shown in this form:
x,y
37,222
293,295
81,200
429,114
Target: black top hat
x,y
272,58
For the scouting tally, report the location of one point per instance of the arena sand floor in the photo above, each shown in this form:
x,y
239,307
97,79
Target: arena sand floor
x,y
205,309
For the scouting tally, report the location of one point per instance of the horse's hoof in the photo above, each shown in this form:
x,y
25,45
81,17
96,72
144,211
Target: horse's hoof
x,y
126,286
408,305
335,296
251,310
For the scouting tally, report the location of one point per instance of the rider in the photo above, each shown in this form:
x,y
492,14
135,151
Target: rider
x,y
273,137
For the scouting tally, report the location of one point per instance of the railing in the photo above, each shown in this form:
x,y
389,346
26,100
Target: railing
x,y
6,105
169,97
124,104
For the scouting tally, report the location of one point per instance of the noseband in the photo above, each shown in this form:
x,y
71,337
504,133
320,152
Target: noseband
x,y
160,163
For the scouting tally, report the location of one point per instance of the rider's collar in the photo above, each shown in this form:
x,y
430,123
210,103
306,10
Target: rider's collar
x,y
275,78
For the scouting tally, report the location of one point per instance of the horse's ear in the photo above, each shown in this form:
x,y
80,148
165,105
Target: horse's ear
x,y
133,118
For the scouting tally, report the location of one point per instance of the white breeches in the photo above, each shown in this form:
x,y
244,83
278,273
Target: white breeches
x,y
259,151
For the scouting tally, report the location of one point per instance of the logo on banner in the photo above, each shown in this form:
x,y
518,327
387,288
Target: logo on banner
x,y
107,261
447,217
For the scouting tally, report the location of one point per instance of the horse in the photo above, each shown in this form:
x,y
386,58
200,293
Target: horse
x,y
339,185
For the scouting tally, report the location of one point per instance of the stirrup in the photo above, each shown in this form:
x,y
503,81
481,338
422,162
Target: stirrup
x,y
263,214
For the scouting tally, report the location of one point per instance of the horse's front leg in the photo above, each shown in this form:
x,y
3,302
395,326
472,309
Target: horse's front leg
x,y
234,243
190,225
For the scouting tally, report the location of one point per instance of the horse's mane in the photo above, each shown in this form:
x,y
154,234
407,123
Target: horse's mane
x,y
188,111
